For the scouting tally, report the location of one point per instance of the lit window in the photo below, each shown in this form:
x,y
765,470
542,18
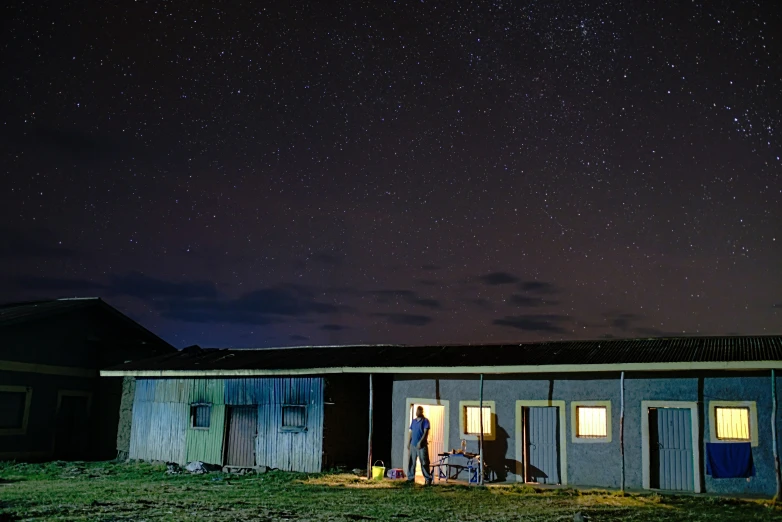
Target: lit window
x,y
200,415
294,417
732,424
472,420
591,422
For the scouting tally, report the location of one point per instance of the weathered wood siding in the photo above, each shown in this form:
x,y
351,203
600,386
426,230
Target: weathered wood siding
x,y
162,428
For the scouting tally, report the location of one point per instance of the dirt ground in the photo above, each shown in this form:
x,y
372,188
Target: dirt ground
x,y
113,492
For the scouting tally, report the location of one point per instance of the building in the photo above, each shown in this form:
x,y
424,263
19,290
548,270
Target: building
x,y
638,414
53,404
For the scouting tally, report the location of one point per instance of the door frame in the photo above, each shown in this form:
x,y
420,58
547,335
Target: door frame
x,y
645,446
409,402
69,393
562,437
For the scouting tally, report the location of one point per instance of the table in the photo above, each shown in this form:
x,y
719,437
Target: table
x,y
451,465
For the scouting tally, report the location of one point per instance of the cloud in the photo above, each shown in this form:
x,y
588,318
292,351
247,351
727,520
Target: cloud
x,y
776,305
326,259
40,242
534,322
428,282
260,307
527,301
408,296
498,278
298,338
538,287
56,284
430,267
480,302
136,284
406,319
622,321
333,327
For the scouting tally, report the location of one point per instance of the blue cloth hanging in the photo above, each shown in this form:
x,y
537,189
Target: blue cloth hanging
x,y
729,460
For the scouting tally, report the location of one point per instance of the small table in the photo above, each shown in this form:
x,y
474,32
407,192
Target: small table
x,y
450,465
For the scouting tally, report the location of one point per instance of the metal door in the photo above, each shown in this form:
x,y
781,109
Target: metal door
x,y
542,435
242,430
670,446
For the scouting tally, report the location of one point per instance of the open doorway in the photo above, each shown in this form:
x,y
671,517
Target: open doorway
x,y
437,413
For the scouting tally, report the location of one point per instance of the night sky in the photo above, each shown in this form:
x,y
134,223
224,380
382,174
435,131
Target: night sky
x,y
292,173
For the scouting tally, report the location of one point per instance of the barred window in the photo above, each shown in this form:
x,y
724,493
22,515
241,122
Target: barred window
x,y
732,424
472,420
294,417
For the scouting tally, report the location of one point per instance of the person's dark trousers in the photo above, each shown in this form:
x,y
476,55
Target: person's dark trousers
x,y
423,455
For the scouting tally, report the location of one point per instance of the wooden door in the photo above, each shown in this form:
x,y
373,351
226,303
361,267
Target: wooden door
x,y
670,446
542,436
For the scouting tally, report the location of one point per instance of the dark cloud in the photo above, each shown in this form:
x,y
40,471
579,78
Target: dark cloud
x,y
408,296
776,305
480,302
261,307
538,287
333,327
136,284
526,301
431,267
534,323
428,282
298,338
326,259
53,285
622,321
498,278
16,244
406,319
656,332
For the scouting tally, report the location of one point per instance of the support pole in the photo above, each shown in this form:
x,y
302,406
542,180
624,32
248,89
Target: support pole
x,y
480,447
622,426
774,433
369,443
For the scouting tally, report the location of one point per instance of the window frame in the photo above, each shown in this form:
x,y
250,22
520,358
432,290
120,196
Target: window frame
x,y
752,417
463,420
574,405
194,405
28,391
293,429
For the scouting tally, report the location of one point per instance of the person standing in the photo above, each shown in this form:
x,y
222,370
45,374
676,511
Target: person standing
x,y
417,440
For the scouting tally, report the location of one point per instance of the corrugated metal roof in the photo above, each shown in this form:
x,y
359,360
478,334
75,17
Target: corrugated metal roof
x,y
585,353
16,312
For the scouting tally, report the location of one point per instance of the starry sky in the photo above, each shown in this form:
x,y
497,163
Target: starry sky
x,y
249,174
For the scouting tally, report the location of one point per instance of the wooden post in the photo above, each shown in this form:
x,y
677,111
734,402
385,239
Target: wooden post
x,y
480,443
778,496
622,426
369,443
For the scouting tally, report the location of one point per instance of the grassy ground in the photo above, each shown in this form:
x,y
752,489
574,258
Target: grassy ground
x,y
104,491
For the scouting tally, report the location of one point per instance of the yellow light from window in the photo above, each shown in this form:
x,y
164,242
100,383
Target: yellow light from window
x,y
591,422
472,426
732,423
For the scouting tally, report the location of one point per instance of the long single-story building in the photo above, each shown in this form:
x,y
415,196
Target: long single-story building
x,y
53,403
686,414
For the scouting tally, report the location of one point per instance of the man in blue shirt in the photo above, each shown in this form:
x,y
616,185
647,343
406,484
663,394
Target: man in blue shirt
x,y
419,446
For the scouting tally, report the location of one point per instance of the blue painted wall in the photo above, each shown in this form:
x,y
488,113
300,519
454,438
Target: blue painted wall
x,y
596,464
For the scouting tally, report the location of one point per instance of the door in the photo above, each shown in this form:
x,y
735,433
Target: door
x,y
436,416
242,431
71,440
541,432
670,449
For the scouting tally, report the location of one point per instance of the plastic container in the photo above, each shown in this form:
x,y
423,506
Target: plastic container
x,y
378,472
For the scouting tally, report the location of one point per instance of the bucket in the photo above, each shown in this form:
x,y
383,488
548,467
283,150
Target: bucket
x,y
378,471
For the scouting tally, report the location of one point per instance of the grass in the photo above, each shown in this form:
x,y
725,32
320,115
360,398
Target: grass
x,y
109,492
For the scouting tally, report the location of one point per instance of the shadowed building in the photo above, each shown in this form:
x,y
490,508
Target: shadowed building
x,y
53,404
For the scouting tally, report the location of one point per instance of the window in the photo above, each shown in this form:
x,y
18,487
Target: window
x,y
732,424
591,421
294,417
733,421
200,415
14,409
470,420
